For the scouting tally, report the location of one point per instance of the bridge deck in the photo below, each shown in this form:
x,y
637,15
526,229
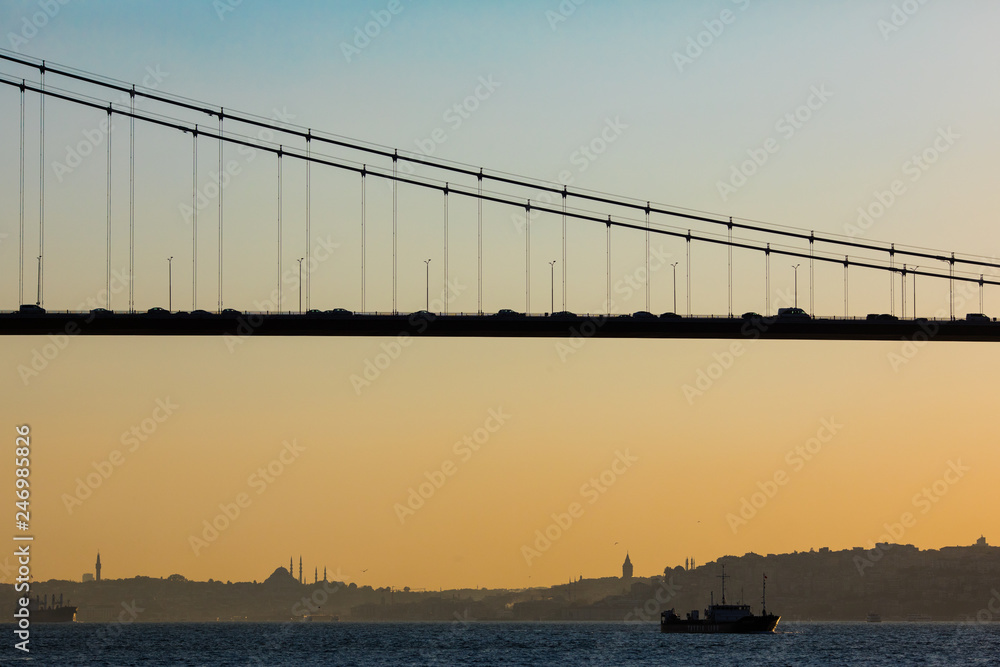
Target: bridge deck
x,y
531,326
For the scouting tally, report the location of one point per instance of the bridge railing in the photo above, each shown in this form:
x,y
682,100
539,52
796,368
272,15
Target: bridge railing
x,y
348,314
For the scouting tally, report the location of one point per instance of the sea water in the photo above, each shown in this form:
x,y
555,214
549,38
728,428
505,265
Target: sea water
x,y
472,643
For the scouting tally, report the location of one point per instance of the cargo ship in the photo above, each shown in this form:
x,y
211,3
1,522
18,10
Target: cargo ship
x,y
732,618
42,611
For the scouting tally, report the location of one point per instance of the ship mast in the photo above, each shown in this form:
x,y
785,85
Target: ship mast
x,y
723,577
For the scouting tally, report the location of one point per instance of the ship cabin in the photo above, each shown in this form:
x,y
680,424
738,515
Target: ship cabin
x,y
727,613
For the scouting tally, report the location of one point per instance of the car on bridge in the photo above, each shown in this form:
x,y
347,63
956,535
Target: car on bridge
x,y
339,312
882,317
793,314
643,315
100,312
977,317
670,316
156,310
231,312
30,309
563,315
507,312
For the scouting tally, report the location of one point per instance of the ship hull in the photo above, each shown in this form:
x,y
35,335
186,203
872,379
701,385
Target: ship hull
x,y
54,615
749,624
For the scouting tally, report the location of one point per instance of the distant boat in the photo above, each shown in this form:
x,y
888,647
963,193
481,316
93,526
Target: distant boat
x,y
44,612
872,617
320,618
731,618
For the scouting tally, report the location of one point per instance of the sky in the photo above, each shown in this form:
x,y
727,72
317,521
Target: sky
x,y
436,463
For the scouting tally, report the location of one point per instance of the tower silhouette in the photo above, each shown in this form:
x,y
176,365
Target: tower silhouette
x,y
627,567
97,567
301,580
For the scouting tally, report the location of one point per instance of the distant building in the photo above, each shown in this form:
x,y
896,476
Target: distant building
x,y
87,576
981,542
281,577
627,568
97,567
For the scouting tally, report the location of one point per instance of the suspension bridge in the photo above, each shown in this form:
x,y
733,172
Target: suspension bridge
x,y
607,248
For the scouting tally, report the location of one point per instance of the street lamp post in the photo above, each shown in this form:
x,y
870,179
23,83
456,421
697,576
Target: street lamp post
x,y
552,272
170,284
915,291
427,305
38,299
675,284
795,267
300,284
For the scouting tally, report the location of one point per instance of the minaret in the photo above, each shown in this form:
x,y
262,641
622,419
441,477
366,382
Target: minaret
x,y
687,563
301,580
316,575
98,567
324,574
291,569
